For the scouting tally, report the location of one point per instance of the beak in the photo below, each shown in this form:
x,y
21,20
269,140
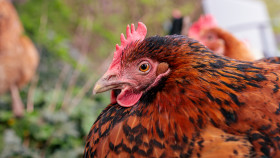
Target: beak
x,y
106,83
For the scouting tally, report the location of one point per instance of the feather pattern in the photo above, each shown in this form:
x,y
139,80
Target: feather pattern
x,y
208,106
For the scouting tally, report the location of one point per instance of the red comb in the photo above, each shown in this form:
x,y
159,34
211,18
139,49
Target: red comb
x,y
132,36
204,22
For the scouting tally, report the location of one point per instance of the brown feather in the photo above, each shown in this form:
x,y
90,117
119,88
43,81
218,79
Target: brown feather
x,y
208,106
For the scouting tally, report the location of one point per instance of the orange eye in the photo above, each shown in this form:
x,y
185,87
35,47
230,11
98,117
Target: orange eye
x,y
144,67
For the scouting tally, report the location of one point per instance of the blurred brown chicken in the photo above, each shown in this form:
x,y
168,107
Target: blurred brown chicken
x,y
219,40
18,56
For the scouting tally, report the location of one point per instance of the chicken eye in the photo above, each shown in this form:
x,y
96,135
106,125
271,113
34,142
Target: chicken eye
x,y
144,67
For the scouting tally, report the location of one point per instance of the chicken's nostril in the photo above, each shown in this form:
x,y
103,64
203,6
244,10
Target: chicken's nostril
x,y
109,77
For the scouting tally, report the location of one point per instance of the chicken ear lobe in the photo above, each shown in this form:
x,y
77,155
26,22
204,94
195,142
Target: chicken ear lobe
x,y
162,68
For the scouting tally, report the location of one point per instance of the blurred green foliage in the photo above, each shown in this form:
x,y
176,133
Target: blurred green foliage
x,y
274,12
46,132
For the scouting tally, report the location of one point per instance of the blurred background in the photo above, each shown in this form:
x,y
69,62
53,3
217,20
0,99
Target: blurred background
x,y
75,41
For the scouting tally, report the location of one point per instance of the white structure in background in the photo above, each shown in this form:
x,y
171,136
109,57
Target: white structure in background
x,y
246,19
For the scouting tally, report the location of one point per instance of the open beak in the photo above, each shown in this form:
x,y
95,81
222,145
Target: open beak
x,y
106,83
122,89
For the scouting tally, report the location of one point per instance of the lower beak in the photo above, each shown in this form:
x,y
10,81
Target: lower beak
x,y
103,85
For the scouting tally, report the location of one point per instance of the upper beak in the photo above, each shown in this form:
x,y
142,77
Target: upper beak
x,y
107,82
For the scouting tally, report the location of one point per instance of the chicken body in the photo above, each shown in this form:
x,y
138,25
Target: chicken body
x,y
18,56
203,105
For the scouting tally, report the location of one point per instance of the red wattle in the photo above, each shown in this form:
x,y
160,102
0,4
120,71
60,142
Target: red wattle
x,y
128,98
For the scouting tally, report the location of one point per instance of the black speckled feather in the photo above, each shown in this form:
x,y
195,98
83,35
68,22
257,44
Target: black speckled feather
x,y
207,106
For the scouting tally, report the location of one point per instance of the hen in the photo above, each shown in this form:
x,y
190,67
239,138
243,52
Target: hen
x,y
18,56
173,97
219,40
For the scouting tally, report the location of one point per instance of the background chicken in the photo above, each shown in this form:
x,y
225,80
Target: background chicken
x,y
18,56
219,40
172,97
